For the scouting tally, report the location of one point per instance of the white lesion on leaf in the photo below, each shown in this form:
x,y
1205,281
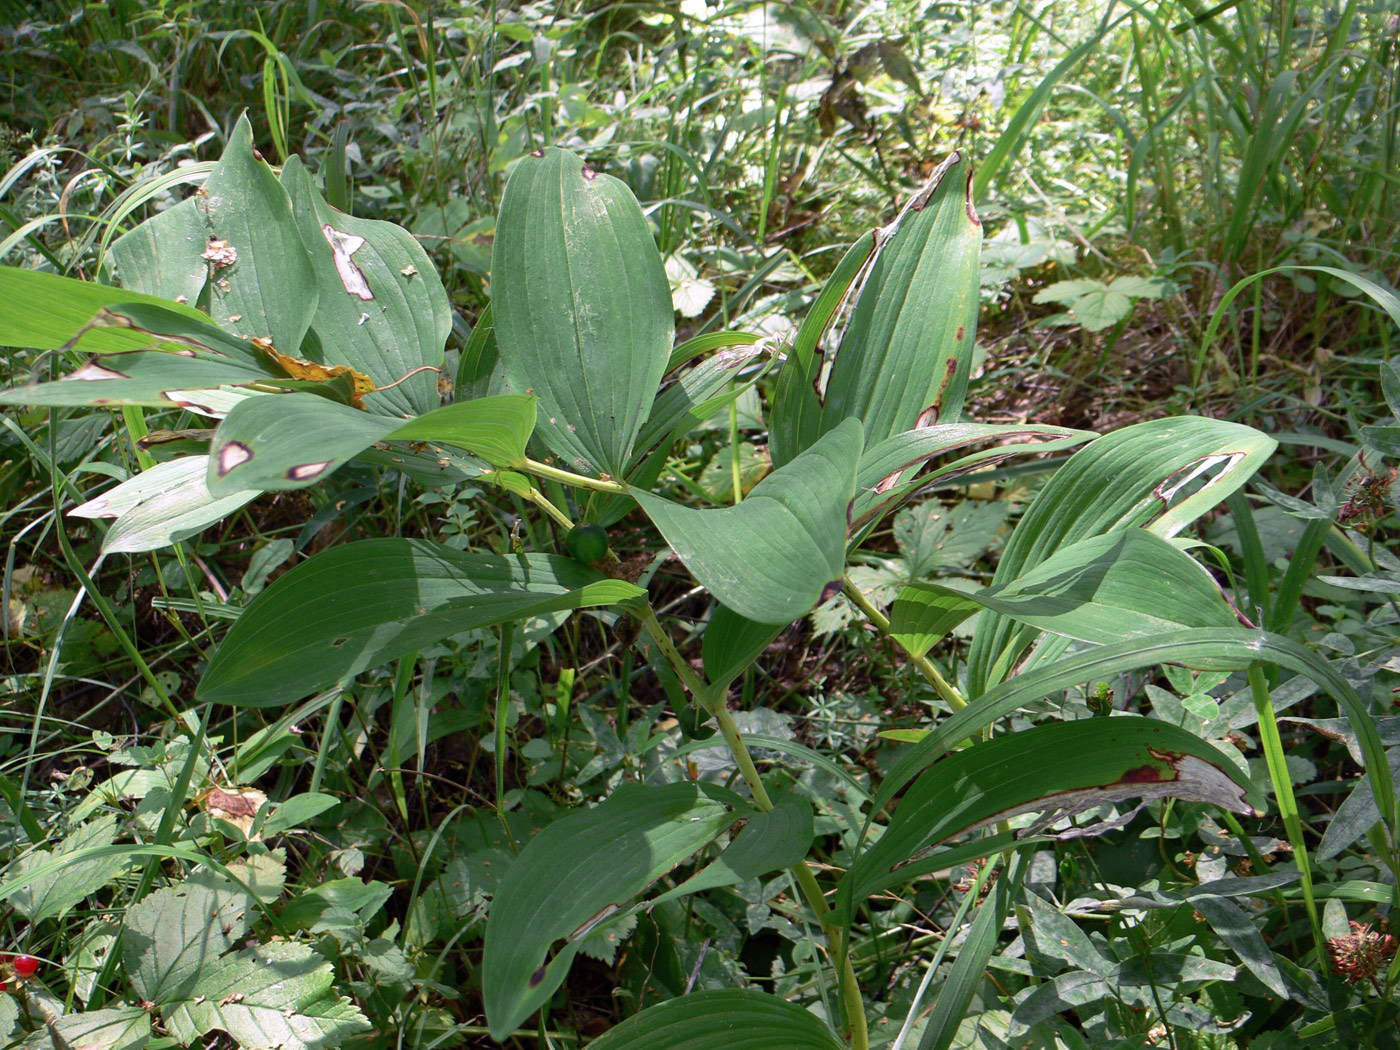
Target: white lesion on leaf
x,y
343,246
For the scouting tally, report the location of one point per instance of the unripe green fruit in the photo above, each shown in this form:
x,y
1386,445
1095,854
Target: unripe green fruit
x,y
587,542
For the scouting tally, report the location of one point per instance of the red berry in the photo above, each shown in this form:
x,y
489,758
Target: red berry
x,y
26,965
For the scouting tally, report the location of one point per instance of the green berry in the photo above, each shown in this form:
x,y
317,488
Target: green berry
x,y
587,542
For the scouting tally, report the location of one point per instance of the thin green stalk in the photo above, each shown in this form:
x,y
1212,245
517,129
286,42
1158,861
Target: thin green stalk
x,y
544,470
502,710
714,704
1283,792
925,666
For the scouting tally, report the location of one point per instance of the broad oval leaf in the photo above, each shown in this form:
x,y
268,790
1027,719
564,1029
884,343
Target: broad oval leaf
x,y
1064,766
905,354
238,234
290,441
579,871
160,506
771,840
582,307
1102,589
364,604
1133,477
773,556
381,307
728,1019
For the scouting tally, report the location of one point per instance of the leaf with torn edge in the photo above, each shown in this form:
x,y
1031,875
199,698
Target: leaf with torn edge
x,y
1063,767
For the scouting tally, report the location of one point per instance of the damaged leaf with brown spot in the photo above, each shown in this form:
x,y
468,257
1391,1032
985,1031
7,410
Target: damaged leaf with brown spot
x,y
1062,769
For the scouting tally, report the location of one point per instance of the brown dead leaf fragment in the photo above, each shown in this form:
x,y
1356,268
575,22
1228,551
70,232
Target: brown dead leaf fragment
x,y
238,806
296,368
220,253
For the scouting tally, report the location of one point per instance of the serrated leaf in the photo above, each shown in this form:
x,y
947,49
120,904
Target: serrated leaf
x,y
364,604
575,873
113,1028
771,557
931,535
173,934
274,995
50,896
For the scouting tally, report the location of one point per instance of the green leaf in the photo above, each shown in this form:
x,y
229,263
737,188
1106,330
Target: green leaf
x,y
1206,649
178,361
580,870
174,933
163,505
272,995
582,307
773,556
970,969
1160,475
262,283
294,440
731,642
1066,767
114,1028
905,354
57,308
364,604
387,313
39,895
1103,589
884,478
770,841
730,1019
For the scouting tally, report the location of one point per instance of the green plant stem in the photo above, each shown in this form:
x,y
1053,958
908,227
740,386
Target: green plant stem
x,y
713,703
1283,791
542,501
544,470
926,667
